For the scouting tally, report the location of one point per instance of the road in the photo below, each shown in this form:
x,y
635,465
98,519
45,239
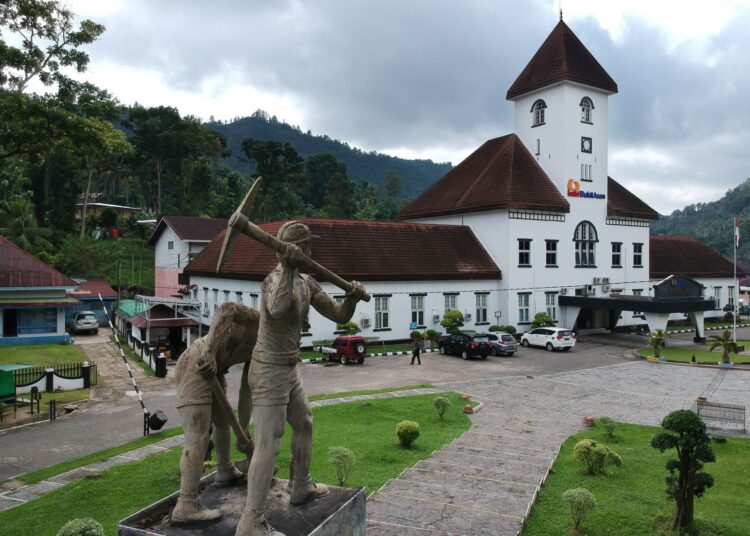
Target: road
x,y
116,418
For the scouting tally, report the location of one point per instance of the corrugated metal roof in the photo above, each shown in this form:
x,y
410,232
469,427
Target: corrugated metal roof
x,y
21,269
189,228
129,308
685,255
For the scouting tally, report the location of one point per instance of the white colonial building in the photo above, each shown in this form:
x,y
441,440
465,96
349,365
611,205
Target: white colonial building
x,y
530,222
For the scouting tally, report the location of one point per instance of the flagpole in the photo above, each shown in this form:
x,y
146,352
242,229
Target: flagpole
x,y
736,284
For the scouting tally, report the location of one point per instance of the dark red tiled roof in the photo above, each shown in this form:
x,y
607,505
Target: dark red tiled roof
x,y
91,288
621,202
561,57
363,250
684,255
19,268
161,316
501,174
189,228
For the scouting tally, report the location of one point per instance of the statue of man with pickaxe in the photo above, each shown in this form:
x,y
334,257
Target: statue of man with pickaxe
x,y
275,383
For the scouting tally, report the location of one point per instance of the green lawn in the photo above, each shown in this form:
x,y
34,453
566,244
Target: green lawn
x,y
632,500
684,355
42,354
132,356
708,324
366,427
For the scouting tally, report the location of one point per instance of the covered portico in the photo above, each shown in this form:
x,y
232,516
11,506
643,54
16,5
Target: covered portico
x,y
675,294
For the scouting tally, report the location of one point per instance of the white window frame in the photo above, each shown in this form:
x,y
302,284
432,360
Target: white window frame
x,y
616,254
216,299
170,245
253,301
550,251
717,297
451,302
239,296
538,112
481,307
637,255
550,302
586,110
637,292
524,251
205,301
382,320
524,298
730,296
417,309
585,238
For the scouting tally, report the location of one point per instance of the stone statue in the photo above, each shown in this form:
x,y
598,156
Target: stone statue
x,y
275,383
230,341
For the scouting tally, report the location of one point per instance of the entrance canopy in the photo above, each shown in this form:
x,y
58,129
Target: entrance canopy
x,y
644,304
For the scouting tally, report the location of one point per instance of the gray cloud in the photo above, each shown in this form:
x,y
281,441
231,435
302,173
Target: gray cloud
x,y
434,74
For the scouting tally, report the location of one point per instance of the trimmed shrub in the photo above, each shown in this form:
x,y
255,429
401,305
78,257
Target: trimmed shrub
x,y
595,456
432,334
581,502
542,320
453,321
495,327
350,328
343,461
441,404
508,329
609,427
82,527
407,432
415,335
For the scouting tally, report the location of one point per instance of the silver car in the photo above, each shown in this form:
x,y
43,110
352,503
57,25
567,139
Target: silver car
x,y
85,321
502,343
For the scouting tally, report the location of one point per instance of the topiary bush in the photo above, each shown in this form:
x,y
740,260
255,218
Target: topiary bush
x,y
441,404
415,335
542,320
453,321
495,327
350,328
343,461
507,328
581,502
595,456
82,527
609,427
407,432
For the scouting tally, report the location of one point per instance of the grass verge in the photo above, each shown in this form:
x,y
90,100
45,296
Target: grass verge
x,y
372,348
684,355
132,356
366,427
42,354
631,500
371,391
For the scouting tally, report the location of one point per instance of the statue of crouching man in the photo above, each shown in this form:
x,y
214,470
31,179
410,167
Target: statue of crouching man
x,y
231,339
275,382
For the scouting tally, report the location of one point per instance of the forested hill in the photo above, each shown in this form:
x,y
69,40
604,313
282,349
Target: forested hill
x,y
416,175
713,223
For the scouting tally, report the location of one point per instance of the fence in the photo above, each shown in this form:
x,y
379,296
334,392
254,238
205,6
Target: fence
x,y
717,415
148,354
62,377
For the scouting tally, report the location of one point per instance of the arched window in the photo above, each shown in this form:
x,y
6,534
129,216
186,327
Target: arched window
x,y
538,110
585,237
586,107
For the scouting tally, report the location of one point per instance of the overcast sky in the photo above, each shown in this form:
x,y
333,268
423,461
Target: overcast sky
x,y
427,78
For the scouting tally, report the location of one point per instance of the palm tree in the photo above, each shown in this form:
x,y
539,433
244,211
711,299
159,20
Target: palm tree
x,y
726,343
656,339
21,226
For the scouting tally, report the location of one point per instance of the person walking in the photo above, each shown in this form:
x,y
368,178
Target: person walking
x,y
415,351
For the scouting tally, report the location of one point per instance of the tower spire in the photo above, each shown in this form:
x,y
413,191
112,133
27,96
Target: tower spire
x,y
559,5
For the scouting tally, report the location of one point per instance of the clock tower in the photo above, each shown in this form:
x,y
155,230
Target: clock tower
x,y
561,117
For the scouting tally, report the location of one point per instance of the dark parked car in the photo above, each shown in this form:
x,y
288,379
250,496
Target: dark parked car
x,y
502,343
466,346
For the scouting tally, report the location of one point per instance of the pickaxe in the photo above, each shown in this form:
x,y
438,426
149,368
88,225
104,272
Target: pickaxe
x,y
239,223
244,443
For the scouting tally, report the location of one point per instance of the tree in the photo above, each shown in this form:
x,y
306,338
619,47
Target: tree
x,y
320,168
453,321
725,342
365,202
338,198
392,184
48,41
656,340
686,433
542,320
20,225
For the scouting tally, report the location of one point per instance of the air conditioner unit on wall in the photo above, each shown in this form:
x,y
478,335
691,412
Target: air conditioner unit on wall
x,y
435,319
468,317
605,289
365,322
563,291
589,290
605,280
597,280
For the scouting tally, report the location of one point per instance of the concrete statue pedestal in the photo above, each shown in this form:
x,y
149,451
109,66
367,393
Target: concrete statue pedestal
x,y
340,513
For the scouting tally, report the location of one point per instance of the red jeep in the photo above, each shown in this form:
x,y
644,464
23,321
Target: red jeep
x,y
347,348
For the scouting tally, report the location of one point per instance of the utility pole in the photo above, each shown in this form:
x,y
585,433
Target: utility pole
x,y
132,267
119,288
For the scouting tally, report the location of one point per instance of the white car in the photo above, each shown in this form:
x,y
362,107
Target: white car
x,y
549,338
85,321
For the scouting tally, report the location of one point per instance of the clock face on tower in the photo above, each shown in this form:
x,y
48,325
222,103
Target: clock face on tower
x,y
585,145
